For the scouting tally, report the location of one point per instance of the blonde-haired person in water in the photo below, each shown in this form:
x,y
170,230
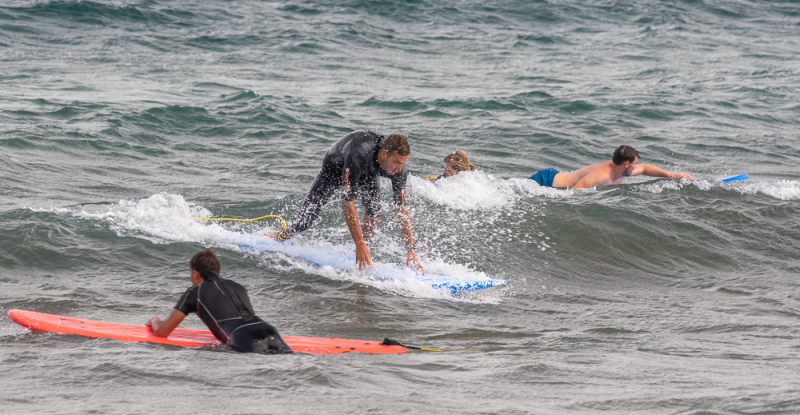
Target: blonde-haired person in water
x,y
454,163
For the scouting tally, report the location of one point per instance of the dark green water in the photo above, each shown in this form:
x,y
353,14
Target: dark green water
x,y
119,121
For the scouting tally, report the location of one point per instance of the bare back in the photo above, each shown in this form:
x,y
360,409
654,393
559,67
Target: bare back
x,y
594,175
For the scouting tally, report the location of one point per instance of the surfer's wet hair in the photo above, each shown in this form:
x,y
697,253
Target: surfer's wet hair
x,y
459,160
396,143
623,154
205,261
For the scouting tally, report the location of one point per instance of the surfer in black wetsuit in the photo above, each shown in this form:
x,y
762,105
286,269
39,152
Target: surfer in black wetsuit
x,y
353,165
223,305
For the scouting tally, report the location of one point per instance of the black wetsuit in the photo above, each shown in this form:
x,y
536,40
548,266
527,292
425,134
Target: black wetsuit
x,y
223,305
351,165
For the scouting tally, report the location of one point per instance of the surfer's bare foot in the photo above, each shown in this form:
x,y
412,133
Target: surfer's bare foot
x,y
272,235
412,261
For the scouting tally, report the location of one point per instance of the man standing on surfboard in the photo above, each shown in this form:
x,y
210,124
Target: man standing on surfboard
x,y
623,164
352,166
223,305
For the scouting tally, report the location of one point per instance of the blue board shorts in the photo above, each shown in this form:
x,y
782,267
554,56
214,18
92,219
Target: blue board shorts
x,y
545,177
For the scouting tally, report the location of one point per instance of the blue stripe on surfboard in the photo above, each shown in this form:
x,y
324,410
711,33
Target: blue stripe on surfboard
x,y
386,272
732,178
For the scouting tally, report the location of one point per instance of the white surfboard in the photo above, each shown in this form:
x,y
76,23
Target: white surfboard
x,y
377,270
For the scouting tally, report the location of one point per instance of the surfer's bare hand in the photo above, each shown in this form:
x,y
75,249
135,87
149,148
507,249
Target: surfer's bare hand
x,y
162,328
154,320
363,258
681,176
412,261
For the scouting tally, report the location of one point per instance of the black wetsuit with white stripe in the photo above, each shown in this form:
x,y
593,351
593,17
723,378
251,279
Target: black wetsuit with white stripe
x,y
224,306
352,166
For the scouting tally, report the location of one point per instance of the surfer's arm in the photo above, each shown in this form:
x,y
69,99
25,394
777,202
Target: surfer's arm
x,y
351,217
368,226
650,170
162,328
404,220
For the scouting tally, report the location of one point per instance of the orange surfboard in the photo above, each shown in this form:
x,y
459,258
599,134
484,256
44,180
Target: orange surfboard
x,y
183,337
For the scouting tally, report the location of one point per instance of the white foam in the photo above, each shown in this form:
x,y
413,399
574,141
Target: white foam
x,y
407,287
662,185
160,218
476,190
168,218
783,190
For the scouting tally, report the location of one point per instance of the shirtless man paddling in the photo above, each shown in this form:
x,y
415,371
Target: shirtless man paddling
x,y
624,163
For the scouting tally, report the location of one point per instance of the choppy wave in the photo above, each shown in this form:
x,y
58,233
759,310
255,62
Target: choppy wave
x,y
781,190
477,190
167,218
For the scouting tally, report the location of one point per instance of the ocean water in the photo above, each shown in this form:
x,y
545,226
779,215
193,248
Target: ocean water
x,y
121,120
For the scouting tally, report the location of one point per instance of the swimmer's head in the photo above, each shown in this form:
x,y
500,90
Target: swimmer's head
x,y
456,162
204,261
627,157
623,154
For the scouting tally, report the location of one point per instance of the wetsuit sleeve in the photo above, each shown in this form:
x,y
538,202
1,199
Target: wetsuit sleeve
x,y
399,187
352,171
188,301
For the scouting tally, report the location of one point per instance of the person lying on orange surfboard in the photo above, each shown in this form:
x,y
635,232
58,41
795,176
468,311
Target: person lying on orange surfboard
x,y
224,306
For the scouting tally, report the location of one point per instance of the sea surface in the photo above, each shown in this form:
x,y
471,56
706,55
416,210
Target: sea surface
x,y
122,120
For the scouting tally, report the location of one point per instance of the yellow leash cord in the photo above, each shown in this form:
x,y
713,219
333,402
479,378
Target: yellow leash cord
x,y
248,220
